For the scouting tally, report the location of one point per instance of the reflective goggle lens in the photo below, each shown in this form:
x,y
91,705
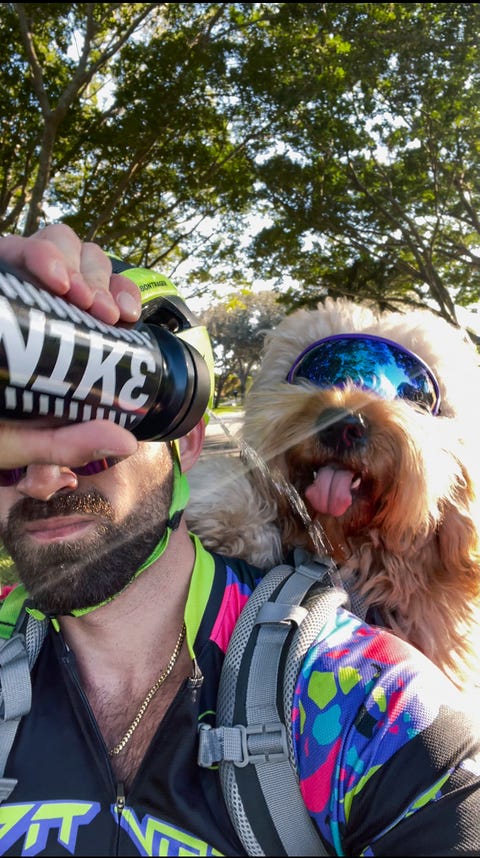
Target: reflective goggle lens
x,y
11,476
370,362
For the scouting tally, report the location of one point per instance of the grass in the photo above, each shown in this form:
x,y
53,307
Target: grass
x,y
8,574
227,409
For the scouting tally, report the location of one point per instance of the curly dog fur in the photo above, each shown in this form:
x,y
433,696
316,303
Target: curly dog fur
x,y
398,510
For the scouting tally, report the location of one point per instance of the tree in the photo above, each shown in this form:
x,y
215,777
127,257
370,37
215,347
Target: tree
x,y
373,187
114,114
236,327
53,100
158,129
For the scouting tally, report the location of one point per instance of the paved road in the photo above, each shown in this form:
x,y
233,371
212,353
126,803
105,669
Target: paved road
x,y
221,432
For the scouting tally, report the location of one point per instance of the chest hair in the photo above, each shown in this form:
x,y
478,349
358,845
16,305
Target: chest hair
x,y
114,715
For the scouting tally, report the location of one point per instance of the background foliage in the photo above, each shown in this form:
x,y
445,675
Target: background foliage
x,y
236,327
164,131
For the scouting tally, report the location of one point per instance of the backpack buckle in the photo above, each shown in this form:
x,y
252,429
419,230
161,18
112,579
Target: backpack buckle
x,y
262,743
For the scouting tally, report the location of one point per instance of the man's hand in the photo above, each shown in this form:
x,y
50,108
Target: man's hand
x,y
25,442
55,258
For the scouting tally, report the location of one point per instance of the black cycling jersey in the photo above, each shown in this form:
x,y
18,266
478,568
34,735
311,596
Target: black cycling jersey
x,y
375,769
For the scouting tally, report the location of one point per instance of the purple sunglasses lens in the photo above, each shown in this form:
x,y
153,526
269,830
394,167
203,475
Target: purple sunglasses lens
x,y
95,467
11,476
370,362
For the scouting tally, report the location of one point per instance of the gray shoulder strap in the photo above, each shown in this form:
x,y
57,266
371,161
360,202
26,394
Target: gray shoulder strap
x,y
17,657
251,742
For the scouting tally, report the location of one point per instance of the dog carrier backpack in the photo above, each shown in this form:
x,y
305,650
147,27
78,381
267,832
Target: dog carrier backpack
x,y
252,741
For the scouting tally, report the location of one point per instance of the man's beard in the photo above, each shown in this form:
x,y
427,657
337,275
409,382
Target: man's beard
x,y
68,576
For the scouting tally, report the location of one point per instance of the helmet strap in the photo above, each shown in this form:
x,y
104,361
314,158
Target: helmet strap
x,y
180,495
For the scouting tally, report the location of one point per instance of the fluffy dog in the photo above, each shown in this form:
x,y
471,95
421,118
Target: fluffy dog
x,y
385,482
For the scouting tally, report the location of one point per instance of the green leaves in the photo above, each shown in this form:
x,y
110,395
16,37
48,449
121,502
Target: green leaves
x,y
159,130
236,326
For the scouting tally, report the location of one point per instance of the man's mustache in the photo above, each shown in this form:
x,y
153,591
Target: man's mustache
x,y
31,509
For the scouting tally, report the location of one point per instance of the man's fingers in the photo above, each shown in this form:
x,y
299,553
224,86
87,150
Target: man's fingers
x,y
50,259
127,296
65,240
56,259
95,266
96,270
110,298
40,261
72,445
89,270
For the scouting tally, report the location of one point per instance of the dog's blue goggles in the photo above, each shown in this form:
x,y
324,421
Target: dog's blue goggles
x,y
370,362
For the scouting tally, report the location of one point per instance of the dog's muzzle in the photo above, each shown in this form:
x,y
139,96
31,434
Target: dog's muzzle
x,y
342,431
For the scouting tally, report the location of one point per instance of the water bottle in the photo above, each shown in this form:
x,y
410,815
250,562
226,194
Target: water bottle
x,y
58,362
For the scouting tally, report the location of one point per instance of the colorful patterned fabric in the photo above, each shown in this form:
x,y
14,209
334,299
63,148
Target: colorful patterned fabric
x,y
369,713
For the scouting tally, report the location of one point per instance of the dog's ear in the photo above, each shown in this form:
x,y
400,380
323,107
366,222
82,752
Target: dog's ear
x,y
453,582
433,593
459,536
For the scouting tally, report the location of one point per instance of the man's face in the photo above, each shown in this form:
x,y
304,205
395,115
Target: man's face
x,y
76,547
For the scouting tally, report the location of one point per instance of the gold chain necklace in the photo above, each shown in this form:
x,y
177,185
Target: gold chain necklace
x,y
161,679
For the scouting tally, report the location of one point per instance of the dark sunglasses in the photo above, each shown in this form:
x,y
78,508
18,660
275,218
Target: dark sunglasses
x,y
371,363
11,476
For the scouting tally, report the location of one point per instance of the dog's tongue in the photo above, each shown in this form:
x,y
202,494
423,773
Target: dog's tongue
x,y
331,491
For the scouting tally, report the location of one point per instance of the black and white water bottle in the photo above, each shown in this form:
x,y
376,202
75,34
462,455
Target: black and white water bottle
x,y
60,363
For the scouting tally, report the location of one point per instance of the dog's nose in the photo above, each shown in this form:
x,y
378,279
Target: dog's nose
x,y
341,430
